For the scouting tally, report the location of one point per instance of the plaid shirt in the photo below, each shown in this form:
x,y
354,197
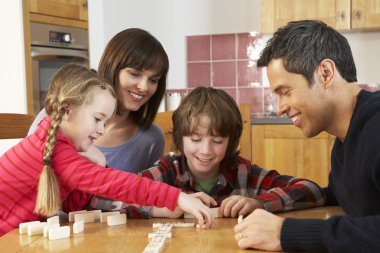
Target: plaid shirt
x,y
276,192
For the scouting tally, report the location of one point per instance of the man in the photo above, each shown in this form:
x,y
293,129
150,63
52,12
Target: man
x,y
312,72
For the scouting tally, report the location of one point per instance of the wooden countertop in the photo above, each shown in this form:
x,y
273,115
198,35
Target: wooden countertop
x,y
133,237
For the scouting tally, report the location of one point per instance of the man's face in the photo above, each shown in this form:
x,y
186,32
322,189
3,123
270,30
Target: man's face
x,y
306,106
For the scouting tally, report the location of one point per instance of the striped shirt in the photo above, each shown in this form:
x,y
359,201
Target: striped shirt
x,y
78,178
276,192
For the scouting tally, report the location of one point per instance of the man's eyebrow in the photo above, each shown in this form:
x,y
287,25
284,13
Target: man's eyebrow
x,y
278,88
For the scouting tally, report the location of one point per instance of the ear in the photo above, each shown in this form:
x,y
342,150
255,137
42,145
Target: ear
x,y
68,110
326,72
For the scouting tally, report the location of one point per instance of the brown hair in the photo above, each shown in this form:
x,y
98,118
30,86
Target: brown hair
x,y
136,48
222,110
72,84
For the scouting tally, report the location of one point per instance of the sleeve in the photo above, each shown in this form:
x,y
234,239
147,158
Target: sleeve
x,y
282,193
79,173
337,234
160,172
40,116
75,201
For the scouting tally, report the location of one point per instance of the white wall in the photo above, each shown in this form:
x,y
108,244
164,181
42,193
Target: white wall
x,y
170,21
12,63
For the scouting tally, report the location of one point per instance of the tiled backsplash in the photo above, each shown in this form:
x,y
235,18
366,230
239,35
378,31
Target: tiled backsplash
x,y
227,61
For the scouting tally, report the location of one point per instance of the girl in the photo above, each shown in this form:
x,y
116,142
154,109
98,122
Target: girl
x,y
136,65
206,129
44,172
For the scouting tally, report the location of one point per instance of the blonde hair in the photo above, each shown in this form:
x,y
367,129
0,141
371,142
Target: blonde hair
x,y
72,84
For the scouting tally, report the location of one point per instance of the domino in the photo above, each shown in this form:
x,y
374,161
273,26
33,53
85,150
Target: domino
x,y
78,227
161,234
59,233
103,216
23,227
52,220
85,217
71,214
117,219
160,224
183,224
240,219
47,227
96,214
36,228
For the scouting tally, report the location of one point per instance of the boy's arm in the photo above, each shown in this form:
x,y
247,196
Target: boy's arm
x,y
281,192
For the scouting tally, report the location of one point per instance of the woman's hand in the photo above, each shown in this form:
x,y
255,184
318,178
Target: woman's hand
x,y
236,205
195,207
94,155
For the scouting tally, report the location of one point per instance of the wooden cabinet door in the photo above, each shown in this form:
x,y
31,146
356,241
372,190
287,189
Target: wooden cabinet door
x,y
72,9
277,13
285,149
365,14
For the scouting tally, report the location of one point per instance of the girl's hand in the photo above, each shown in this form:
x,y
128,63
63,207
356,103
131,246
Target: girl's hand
x,y
195,207
236,205
205,198
165,212
94,155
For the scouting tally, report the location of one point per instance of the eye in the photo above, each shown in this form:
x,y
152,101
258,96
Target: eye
x,y
154,81
97,119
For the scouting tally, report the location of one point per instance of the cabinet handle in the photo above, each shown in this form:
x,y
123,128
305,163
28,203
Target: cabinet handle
x,y
85,4
342,15
358,14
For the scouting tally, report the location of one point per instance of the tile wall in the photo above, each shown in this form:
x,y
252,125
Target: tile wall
x,y
228,61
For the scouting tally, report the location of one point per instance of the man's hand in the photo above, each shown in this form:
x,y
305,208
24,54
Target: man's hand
x,y
260,230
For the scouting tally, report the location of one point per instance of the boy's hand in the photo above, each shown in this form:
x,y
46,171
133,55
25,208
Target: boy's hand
x,y
236,205
195,207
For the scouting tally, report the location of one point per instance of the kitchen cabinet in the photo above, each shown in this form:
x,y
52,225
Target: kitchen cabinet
x,y
59,12
285,149
342,15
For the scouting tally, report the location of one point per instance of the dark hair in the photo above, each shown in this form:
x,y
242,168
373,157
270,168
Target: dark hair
x,y
136,48
222,110
304,44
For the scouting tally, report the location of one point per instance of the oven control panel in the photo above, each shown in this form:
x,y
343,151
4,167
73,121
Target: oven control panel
x,y
60,37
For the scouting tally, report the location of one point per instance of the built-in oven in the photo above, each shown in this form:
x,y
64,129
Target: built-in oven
x,y
52,47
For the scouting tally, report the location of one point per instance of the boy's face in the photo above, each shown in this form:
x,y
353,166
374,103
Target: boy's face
x,y
85,123
204,152
308,107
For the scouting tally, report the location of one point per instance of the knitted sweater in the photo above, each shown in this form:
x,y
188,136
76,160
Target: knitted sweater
x,y
354,184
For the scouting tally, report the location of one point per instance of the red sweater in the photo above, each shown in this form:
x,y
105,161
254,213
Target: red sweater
x,y
21,166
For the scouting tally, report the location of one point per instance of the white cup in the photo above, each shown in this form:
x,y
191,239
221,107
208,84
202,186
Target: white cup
x,y
172,101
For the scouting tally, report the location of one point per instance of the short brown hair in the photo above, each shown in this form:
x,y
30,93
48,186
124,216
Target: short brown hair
x,y
222,110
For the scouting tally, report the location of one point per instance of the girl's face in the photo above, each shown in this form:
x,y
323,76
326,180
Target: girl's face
x,y
85,123
204,152
136,87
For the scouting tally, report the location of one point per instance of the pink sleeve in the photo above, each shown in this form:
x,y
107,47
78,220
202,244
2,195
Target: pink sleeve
x,y
76,201
76,172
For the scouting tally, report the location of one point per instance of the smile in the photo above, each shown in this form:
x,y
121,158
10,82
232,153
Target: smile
x,y
136,96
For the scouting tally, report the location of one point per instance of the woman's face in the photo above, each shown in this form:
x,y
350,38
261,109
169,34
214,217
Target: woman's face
x,y
136,87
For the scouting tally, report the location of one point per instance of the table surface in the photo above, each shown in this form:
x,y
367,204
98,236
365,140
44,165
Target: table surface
x,y
133,237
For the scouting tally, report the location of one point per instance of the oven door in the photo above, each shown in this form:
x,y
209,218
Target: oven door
x,y
46,61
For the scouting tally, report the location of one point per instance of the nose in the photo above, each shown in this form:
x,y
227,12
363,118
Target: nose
x,y
142,84
281,106
100,130
205,147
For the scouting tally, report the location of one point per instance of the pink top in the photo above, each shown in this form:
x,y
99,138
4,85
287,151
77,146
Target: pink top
x,y
21,166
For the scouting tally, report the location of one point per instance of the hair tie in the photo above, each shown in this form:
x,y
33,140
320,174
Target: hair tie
x,y
103,85
46,162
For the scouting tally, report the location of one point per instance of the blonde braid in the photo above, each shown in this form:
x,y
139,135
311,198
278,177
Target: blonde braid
x,y
48,201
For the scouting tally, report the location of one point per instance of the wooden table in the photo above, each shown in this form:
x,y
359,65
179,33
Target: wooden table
x,y
133,237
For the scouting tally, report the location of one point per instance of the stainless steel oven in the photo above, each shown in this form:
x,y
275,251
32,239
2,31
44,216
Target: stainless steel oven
x,y
52,47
